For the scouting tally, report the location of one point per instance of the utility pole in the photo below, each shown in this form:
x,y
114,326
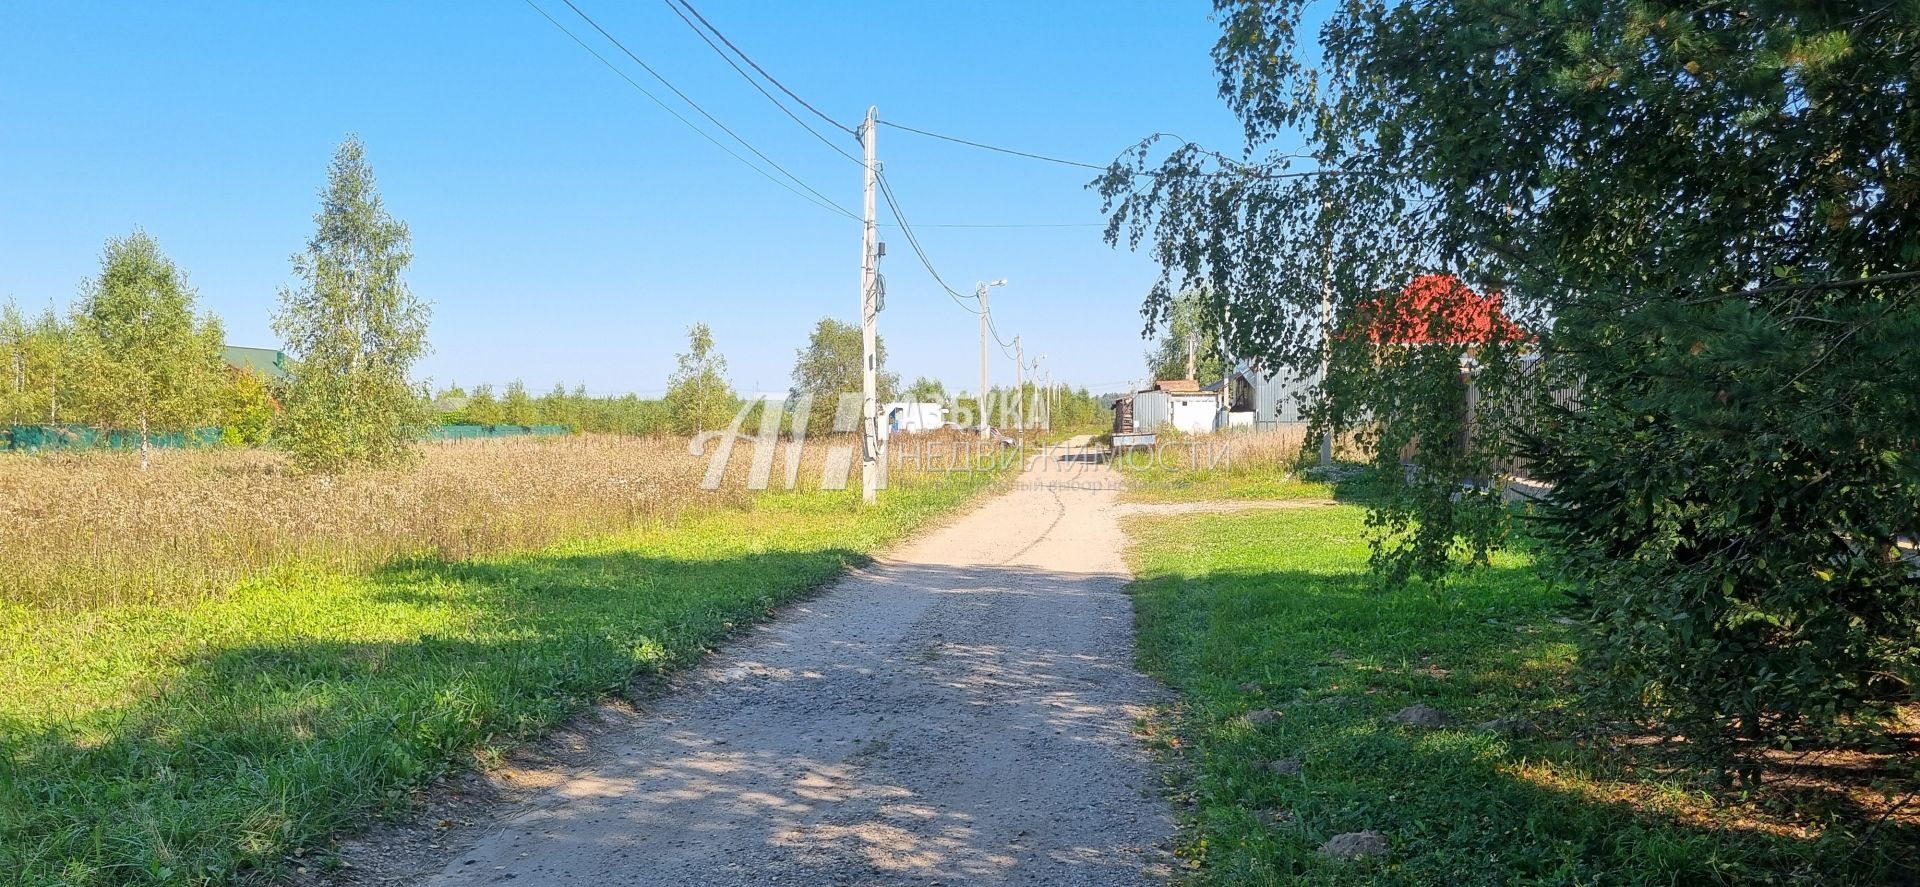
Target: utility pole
x,y
873,444
1020,385
1045,414
980,292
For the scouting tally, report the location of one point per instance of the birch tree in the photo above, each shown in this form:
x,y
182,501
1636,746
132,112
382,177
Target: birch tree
x,y
353,330
698,396
160,366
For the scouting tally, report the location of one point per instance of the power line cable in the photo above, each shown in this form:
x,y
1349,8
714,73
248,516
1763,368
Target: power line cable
x,y
983,145
702,34
678,116
763,72
1004,344
703,111
682,8
886,189
1014,225
913,241
1235,167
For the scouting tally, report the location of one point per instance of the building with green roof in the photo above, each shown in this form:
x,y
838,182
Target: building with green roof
x,y
267,363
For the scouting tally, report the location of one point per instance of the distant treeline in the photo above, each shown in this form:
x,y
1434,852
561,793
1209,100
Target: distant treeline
x,y
576,409
513,404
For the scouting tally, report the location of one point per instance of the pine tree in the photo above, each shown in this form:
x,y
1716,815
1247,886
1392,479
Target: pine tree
x,y
352,329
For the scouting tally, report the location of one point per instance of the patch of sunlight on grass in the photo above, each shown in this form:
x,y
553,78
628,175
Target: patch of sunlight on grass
x,y
1274,612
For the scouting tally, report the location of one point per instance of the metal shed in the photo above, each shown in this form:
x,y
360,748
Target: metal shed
x,y
1262,398
1176,403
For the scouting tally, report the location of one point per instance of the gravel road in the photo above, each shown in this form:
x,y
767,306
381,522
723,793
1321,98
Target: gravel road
x,y
959,713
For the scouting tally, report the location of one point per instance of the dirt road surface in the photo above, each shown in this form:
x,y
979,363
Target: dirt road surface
x,y
960,713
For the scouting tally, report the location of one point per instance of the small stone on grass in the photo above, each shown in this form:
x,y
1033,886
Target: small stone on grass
x,y
1262,716
1285,767
1420,715
1354,845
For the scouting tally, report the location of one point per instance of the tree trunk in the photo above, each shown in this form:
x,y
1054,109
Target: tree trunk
x,y
145,447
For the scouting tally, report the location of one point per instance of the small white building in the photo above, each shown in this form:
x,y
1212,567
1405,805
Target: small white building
x,y
907,416
1175,403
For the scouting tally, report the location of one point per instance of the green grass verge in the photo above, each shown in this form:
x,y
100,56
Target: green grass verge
x,y
1281,600
1176,484
1229,467
204,743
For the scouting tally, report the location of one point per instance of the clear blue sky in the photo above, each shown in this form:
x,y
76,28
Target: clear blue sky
x,y
566,229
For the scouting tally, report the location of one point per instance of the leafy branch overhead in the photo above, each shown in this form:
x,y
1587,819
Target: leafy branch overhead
x,y
1701,221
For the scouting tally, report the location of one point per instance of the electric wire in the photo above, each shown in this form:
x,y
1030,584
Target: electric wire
x,y
705,27
983,145
676,5
885,187
703,111
828,205
913,241
763,72
817,201
1234,167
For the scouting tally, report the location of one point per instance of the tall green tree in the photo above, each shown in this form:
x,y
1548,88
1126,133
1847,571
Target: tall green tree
x,y
925,390
246,409
352,329
830,366
558,408
1188,348
517,407
698,396
43,370
1707,220
483,408
160,366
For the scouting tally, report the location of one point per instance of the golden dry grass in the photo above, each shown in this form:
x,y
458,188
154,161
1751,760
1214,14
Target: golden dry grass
x,y
80,530
89,529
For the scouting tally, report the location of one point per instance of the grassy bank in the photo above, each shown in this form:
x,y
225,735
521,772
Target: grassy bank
x,y
205,740
1237,465
1289,665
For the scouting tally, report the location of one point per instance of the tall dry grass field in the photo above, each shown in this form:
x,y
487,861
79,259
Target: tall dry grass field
x,y
91,529
82,530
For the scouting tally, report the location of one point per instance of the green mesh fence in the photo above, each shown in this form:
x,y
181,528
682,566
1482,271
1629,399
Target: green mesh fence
x,y
40,438
37,438
475,432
